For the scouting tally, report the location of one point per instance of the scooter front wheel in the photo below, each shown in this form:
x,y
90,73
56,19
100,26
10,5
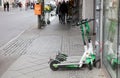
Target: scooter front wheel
x,y
97,63
114,66
90,66
48,21
52,65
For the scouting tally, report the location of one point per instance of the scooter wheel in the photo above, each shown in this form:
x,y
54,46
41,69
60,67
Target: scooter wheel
x,y
96,63
114,66
52,67
90,66
48,21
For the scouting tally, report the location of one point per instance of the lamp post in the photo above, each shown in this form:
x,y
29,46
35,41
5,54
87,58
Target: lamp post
x,y
41,18
43,14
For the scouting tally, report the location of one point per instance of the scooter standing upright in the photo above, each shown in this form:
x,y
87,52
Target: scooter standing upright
x,y
88,58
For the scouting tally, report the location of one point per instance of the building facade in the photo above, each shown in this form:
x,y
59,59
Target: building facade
x,y
0,2
106,14
111,57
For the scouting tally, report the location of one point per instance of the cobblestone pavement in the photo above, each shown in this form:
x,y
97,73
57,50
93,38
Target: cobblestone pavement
x,y
36,46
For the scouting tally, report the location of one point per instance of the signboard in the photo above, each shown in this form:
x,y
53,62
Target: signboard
x,y
38,9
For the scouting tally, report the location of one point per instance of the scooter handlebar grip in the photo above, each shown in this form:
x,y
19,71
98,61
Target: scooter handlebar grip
x,y
83,21
91,20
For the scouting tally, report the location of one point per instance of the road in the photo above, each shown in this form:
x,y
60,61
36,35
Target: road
x,y
15,22
12,24
38,46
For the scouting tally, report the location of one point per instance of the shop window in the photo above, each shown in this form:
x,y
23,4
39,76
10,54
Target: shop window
x,y
0,2
110,36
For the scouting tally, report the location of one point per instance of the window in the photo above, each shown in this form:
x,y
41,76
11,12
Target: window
x,y
110,36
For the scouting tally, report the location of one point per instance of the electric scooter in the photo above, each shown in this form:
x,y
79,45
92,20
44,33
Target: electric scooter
x,y
73,62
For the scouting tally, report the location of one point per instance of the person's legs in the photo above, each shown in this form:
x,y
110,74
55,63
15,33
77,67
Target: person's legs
x,y
7,8
63,18
4,9
59,18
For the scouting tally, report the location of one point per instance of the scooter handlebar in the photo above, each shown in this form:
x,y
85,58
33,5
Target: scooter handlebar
x,y
83,21
91,20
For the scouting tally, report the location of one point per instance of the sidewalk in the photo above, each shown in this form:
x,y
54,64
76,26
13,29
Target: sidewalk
x,y
36,46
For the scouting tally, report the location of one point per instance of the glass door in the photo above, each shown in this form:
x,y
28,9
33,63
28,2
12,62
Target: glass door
x,y
0,2
118,67
110,36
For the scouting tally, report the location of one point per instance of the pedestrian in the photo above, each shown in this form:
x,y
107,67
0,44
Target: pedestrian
x,y
58,11
67,4
7,5
4,6
20,6
26,5
63,10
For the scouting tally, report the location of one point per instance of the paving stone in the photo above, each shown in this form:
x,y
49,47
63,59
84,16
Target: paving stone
x,y
36,47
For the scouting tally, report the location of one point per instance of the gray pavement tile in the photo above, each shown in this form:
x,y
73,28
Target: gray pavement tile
x,y
40,46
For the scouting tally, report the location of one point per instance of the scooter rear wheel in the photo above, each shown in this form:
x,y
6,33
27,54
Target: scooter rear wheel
x,y
90,66
52,67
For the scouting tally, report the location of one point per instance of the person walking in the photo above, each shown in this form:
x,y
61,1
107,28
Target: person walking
x,y
7,5
20,6
67,4
63,10
4,6
58,12
26,5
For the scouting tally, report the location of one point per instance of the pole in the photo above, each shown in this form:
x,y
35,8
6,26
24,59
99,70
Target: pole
x,y
101,30
39,16
43,14
39,21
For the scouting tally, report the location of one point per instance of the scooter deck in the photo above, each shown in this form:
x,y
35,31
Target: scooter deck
x,y
72,59
67,65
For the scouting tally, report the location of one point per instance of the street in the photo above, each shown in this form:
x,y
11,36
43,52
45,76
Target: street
x,y
25,50
36,46
13,24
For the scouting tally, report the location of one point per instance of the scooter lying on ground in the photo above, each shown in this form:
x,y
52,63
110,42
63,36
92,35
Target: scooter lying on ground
x,y
76,62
